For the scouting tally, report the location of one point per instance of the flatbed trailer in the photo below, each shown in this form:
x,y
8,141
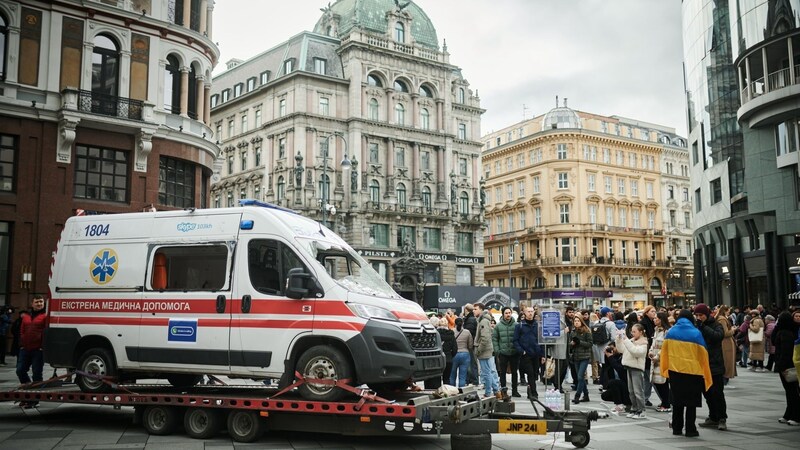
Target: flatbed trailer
x,y
248,411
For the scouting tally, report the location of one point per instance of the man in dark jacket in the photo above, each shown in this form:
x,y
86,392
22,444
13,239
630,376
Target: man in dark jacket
x,y
526,341
715,397
503,342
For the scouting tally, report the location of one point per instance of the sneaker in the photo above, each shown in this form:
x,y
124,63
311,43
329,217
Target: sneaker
x,y
630,415
723,425
730,386
792,423
641,415
708,423
782,420
663,409
647,403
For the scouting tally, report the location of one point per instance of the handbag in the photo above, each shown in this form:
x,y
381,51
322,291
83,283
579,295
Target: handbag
x,y
755,337
549,368
790,375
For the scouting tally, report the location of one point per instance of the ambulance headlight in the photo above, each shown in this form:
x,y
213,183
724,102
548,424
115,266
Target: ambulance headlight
x,y
371,312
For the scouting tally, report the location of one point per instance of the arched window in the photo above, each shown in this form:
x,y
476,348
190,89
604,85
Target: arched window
x,y
400,114
374,81
373,109
400,86
596,281
424,91
426,197
374,191
172,85
425,119
463,203
324,188
3,46
539,283
105,66
281,194
461,96
655,284
401,195
400,32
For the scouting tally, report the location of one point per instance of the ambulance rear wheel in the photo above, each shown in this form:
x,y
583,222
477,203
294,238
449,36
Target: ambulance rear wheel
x,y
160,420
323,363
245,426
99,362
202,423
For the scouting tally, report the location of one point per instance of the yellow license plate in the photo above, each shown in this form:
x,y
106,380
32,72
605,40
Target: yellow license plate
x,y
522,426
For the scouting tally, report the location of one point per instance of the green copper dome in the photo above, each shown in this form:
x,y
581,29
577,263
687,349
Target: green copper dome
x,y
371,16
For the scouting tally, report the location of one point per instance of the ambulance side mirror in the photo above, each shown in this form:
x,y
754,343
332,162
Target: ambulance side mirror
x,y
300,285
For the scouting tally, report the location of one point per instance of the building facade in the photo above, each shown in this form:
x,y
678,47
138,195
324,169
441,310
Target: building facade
x,y
103,108
742,90
575,210
366,126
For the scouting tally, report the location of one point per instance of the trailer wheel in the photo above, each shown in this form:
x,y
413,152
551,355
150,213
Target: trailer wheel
x,y
202,423
580,439
323,363
471,441
96,361
183,380
160,420
245,426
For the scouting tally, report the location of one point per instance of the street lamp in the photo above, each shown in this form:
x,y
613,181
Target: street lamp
x,y
325,182
510,260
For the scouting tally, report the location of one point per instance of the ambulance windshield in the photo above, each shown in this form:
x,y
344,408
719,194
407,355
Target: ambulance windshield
x,y
349,269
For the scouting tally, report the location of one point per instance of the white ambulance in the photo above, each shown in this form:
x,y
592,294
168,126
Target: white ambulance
x,y
255,292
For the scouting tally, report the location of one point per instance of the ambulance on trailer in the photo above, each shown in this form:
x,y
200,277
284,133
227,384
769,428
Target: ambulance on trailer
x,y
254,292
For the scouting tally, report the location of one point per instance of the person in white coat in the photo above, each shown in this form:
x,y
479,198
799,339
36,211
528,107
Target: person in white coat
x,y
634,355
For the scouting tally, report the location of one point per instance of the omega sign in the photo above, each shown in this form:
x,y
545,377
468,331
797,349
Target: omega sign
x,y
447,298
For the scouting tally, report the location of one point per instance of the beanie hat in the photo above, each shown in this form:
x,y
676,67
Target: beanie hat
x,y
701,308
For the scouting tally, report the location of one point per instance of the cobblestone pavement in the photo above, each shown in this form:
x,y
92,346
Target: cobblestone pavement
x,y
754,405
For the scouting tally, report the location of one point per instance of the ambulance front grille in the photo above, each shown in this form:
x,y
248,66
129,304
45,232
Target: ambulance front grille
x,y
422,341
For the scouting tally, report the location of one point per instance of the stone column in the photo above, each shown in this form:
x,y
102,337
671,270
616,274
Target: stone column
x,y
415,192
207,103
414,110
200,97
124,85
439,114
389,105
187,14
185,91
390,169
204,17
209,17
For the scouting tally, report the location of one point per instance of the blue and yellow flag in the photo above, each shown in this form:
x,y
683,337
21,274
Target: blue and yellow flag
x,y
684,351
796,355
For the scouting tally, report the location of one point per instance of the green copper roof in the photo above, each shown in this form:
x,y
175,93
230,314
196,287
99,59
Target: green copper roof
x,y
371,15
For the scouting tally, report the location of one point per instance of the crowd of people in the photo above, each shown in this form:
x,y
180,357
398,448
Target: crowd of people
x,y
682,355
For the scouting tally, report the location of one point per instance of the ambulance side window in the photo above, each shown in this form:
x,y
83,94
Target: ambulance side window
x,y
268,263
189,268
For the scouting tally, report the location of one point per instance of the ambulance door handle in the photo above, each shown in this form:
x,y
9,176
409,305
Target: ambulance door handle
x,y
220,304
246,304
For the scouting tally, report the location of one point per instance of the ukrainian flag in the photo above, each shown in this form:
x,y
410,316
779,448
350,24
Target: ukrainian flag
x,y
684,351
796,356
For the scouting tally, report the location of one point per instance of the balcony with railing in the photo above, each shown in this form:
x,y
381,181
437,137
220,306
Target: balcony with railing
x,y
110,105
767,85
595,261
390,44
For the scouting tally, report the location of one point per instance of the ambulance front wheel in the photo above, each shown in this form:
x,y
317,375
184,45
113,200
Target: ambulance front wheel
x,y
322,366
98,364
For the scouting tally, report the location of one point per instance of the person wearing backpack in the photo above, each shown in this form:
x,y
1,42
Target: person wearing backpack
x,y
603,332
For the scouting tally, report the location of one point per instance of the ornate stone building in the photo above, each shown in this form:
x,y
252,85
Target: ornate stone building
x,y
104,108
574,209
370,91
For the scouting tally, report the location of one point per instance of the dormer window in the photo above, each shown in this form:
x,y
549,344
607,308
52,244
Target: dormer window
x,y
237,90
288,66
400,32
226,95
461,95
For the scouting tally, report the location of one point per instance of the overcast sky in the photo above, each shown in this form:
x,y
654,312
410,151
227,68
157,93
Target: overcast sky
x,y
609,57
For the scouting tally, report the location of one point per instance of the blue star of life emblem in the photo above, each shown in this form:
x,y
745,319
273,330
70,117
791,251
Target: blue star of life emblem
x,y
104,266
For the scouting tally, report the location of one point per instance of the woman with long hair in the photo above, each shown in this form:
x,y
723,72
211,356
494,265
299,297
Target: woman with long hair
x,y
630,320
728,342
461,359
580,345
784,336
660,383
634,354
